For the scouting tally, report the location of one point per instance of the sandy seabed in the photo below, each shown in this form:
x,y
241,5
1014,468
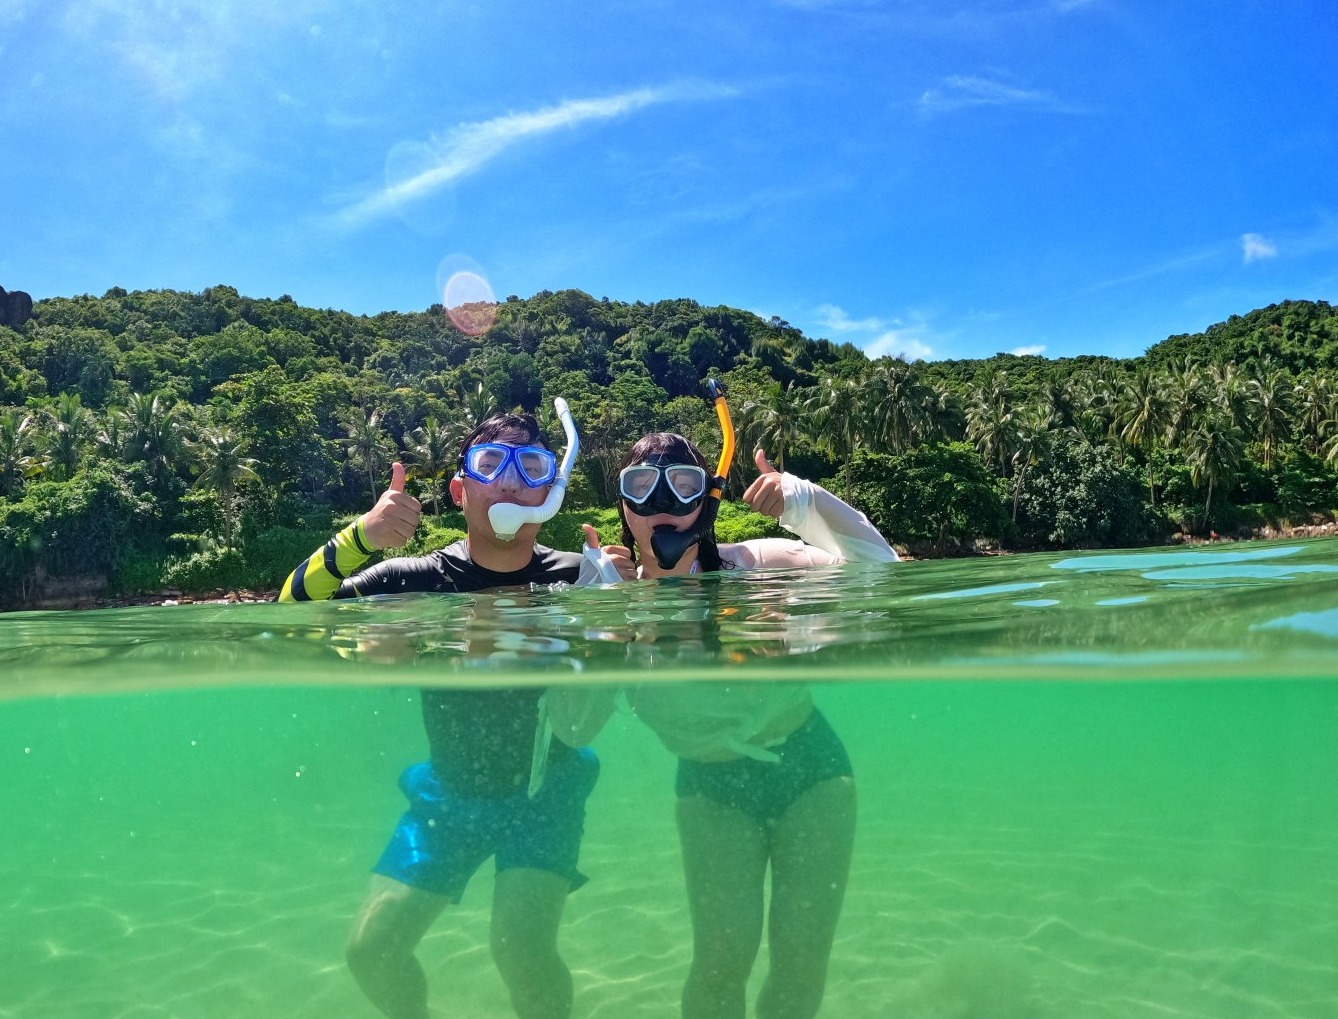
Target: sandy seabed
x,y
1064,852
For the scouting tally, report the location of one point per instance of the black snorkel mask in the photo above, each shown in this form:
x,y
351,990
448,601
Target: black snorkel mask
x,y
667,542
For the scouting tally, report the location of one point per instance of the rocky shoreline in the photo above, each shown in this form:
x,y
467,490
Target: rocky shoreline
x,y
230,597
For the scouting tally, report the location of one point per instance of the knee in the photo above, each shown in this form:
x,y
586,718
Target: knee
x,y
368,950
519,953
788,995
712,989
720,972
360,952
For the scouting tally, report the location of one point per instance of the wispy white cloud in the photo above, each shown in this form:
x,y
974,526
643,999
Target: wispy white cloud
x,y
178,48
467,148
835,318
1176,264
902,343
1031,350
964,92
1257,246
886,337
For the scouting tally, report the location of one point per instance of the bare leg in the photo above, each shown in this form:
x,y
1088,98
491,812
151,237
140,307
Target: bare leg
x,y
725,864
526,909
811,846
380,951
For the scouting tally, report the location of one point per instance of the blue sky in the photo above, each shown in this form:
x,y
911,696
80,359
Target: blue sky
x,y
930,178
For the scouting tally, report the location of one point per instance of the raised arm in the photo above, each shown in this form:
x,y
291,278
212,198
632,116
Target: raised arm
x,y
817,516
388,524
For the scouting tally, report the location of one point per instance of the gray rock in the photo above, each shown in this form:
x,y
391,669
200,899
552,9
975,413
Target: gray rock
x,y
16,307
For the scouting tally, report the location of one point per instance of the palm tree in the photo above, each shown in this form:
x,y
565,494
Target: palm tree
x,y
1031,445
433,448
941,415
71,432
774,422
989,420
1226,383
1269,396
1092,406
476,404
1186,391
223,467
16,438
153,433
1060,397
1141,416
835,415
899,398
369,445
1314,403
1329,449
1213,450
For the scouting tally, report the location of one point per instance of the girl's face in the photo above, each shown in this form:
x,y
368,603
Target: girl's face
x,y
643,528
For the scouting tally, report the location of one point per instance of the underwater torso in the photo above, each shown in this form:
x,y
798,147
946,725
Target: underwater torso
x,y
481,740
721,721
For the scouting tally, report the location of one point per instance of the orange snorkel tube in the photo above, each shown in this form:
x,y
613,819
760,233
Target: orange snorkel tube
x,y
717,392
670,545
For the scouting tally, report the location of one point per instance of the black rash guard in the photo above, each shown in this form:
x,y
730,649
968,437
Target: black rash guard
x,y
481,740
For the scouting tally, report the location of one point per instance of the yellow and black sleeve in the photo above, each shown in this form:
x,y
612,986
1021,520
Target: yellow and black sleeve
x,y
319,576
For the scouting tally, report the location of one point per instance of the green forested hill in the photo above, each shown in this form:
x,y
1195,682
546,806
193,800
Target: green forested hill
x,y
171,429
1300,336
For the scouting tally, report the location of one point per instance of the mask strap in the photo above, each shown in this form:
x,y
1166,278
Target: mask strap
x,y
670,545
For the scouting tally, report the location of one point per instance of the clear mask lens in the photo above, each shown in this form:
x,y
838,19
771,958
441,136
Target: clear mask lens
x,y
487,462
684,483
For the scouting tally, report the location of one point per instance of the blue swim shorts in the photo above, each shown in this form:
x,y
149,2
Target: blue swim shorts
x,y
764,790
442,840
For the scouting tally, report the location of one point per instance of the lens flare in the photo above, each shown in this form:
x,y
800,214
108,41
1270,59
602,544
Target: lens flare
x,y
469,303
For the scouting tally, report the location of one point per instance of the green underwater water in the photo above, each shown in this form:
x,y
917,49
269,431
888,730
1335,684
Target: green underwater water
x,y
1091,785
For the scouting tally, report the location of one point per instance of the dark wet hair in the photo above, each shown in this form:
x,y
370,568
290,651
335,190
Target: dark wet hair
x,y
499,425
681,449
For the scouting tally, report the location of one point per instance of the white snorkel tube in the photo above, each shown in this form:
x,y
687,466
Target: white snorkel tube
x,y
507,518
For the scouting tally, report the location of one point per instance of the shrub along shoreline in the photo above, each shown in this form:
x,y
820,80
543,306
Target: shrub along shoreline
x,y
255,570
91,591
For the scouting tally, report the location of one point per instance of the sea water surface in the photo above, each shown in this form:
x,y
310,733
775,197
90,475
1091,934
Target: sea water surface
x,y
1091,785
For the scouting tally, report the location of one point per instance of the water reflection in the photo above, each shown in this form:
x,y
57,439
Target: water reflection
x,y
1116,850
917,620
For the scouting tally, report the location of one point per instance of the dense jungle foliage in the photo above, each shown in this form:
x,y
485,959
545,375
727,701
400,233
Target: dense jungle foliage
x,y
199,441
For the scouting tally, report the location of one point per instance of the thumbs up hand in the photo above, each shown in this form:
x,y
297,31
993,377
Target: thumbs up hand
x,y
394,518
765,494
619,555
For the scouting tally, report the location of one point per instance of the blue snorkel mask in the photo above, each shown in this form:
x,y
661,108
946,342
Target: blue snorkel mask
x,y
506,517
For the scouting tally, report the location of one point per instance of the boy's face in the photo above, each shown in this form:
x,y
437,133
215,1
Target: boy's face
x,y
474,497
